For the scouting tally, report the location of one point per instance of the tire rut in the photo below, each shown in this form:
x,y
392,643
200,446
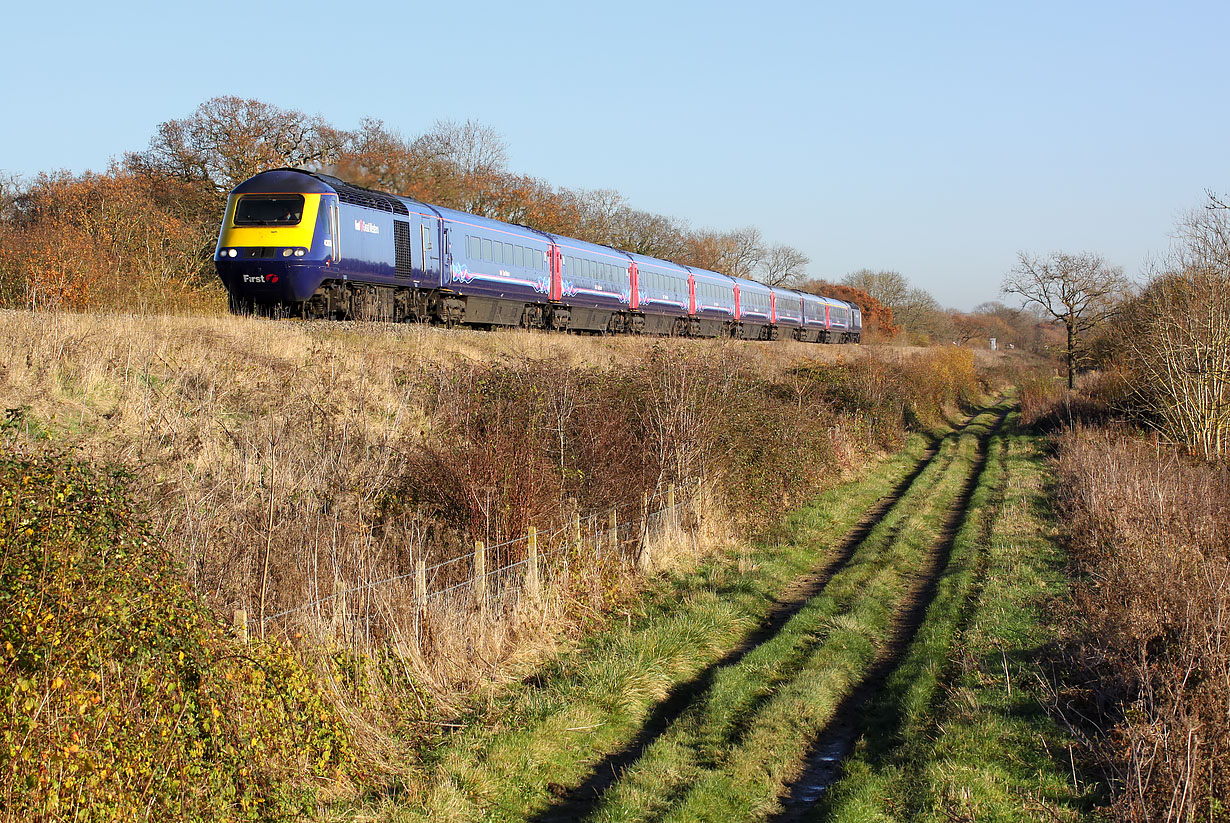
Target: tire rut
x,y
578,803
824,761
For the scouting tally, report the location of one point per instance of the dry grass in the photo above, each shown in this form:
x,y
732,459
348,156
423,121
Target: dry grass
x,y
1148,528
295,467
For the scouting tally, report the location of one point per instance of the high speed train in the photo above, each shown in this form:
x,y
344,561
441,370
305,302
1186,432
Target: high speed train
x,y
302,244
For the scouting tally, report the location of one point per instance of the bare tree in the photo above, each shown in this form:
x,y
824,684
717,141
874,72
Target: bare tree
x,y
229,139
379,158
745,251
736,253
889,287
647,233
470,147
920,313
784,266
1179,338
1079,290
599,212
967,327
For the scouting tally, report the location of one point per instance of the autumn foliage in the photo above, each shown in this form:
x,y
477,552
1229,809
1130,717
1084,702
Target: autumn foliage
x,y
877,318
116,241
140,236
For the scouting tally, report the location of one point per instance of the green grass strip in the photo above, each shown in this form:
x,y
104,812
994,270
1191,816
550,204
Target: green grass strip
x,y
947,739
702,738
593,700
742,779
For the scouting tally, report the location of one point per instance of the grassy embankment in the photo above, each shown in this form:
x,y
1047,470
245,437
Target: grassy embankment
x,y
960,731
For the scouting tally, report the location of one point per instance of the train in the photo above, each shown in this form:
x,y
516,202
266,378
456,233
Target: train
x,y
305,244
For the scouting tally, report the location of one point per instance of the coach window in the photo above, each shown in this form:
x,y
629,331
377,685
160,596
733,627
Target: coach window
x,y
486,249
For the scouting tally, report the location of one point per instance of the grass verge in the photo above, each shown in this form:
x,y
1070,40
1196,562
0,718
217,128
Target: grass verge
x,y
960,731
705,770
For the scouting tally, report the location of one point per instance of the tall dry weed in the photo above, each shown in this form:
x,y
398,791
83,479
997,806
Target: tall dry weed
x,y
1149,533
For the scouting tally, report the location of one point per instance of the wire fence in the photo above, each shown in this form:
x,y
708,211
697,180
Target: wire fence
x,y
490,577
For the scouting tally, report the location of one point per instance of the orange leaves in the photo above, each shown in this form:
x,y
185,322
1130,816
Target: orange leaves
x,y
97,241
877,318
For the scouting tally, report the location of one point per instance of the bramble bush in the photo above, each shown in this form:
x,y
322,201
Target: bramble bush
x,y
122,698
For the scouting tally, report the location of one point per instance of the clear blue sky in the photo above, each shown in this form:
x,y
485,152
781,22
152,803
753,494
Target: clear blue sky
x,y
935,139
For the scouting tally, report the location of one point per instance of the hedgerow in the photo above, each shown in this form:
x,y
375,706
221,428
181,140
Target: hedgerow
x,y
122,698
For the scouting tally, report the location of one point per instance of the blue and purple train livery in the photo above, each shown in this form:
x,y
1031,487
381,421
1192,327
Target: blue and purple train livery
x,y
296,243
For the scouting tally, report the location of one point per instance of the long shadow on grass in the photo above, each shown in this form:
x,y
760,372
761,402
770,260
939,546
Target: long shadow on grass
x,y
836,739
886,717
581,801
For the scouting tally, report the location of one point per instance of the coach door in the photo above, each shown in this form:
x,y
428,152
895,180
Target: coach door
x,y
427,247
556,260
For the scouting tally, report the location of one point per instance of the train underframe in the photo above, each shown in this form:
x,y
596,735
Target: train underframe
x,y
337,300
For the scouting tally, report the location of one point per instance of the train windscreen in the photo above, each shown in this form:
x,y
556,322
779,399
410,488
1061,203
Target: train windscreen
x,y
269,210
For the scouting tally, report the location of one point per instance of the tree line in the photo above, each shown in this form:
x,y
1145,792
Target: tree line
x,y
141,234
1156,353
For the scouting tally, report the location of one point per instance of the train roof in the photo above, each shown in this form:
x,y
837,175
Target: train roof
x,y
751,285
487,224
646,260
712,276
573,244
285,180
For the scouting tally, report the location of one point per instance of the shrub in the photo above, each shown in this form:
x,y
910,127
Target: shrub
x,y
1152,611
121,697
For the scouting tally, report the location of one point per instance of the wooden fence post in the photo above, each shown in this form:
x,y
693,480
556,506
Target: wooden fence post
x,y
241,625
420,597
645,559
532,582
613,533
480,574
339,604
420,583
576,531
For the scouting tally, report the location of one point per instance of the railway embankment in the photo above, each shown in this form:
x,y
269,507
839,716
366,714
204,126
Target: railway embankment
x,y
433,526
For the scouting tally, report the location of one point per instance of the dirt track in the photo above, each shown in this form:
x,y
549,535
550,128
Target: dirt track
x,y
823,763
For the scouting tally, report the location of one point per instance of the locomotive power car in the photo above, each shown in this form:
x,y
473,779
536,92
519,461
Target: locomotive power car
x,y
297,243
